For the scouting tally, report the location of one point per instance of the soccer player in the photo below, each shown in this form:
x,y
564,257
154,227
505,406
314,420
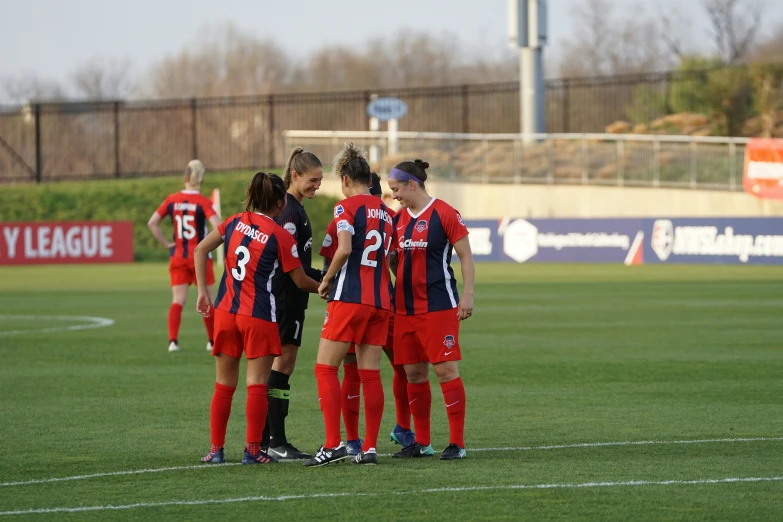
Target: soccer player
x,y
246,310
428,306
356,285
302,178
351,384
189,212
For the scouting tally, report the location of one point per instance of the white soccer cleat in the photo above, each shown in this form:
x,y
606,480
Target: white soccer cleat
x,y
209,346
173,347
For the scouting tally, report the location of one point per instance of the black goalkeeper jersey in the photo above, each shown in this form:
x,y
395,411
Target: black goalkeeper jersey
x,y
295,221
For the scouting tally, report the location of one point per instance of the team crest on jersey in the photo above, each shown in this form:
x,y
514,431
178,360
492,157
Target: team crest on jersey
x,y
291,228
338,211
459,218
449,342
421,226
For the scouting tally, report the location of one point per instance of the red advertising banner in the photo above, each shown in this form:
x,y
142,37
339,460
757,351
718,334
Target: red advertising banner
x,y
764,168
40,243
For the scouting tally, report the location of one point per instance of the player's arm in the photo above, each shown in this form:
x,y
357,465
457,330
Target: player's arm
x,y
154,225
214,221
468,268
341,255
393,261
313,273
303,281
207,245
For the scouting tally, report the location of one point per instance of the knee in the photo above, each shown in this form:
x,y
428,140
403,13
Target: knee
x,y
446,372
417,375
286,362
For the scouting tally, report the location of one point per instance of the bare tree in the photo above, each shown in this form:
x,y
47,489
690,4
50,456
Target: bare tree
x,y
103,79
25,87
605,42
733,29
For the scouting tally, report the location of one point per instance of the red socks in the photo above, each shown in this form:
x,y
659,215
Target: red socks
x,y
255,411
175,318
209,322
454,397
219,413
372,389
400,389
331,402
420,402
351,400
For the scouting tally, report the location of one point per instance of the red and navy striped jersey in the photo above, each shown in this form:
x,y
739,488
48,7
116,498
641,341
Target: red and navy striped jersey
x,y
189,212
329,247
364,279
256,248
424,242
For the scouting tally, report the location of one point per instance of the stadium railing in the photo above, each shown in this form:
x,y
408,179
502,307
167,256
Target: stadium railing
x,y
591,159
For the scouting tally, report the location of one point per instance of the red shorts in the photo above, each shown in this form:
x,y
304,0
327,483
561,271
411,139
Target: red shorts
x,y
355,323
390,335
432,337
183,271
235,334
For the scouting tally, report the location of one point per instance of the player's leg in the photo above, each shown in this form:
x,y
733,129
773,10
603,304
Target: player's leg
x,y
444,351
401,434
290,326
261,342
351,391
368,361
410,353
179,296
368,355
228,349
336,337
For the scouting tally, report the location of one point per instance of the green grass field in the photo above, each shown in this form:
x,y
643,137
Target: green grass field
x,y
560,362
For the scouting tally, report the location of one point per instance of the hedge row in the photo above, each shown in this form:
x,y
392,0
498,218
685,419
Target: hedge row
x,y
133,200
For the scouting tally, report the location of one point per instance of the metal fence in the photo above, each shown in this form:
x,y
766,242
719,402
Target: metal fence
x,y
59,141
595,159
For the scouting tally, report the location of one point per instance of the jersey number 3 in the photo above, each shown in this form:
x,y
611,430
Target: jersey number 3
x,y
374,235
243,258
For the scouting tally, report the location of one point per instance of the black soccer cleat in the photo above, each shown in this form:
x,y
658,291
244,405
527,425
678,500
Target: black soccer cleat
x,y
414,451
367,458
453,452
288,452
326,456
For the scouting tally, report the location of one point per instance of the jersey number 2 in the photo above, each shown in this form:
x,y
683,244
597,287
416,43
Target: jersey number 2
x,y
185,228
373,235
240,271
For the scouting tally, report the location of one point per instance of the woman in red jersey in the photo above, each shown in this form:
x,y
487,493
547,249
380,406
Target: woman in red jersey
x,y
357,288
245,308
428,306
351,383
189,212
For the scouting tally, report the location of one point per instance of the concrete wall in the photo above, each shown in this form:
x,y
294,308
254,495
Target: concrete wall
x,y
477,201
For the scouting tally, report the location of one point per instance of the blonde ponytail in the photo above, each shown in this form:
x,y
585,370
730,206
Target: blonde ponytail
x,y
194,173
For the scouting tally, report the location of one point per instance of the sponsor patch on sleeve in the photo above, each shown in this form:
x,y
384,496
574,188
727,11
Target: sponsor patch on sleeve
x,y
327,241
338,211
343,225
294,251
291,228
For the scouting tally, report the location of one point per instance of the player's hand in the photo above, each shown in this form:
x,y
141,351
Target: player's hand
x,y
323,289
204,304
170,245
465,309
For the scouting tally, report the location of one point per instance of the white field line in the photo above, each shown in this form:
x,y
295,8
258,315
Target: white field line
x,y
521,448
313,496
92,322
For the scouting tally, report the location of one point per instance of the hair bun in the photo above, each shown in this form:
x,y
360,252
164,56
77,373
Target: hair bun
x,y
421,163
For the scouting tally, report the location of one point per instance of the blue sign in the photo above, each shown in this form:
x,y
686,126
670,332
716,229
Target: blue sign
x,y
629,241
387,109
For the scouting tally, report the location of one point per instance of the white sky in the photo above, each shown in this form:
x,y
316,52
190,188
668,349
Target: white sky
x,y
50,38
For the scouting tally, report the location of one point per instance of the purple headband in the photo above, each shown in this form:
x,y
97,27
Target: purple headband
x,y
401,175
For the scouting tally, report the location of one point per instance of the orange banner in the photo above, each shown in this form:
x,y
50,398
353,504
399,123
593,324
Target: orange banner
x,y
764,168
